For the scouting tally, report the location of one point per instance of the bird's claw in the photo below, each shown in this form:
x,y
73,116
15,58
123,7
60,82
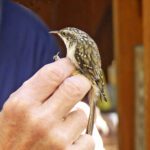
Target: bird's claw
x,y
56,57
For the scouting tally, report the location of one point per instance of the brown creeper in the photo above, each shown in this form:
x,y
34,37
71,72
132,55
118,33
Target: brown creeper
x,y
84,54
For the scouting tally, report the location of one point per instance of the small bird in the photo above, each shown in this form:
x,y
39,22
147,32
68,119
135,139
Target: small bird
x,y
84,54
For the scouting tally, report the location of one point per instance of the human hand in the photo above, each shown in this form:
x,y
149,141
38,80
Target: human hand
x,y
37,116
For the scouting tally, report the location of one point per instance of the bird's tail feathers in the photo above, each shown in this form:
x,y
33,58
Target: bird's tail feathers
x,y
103,95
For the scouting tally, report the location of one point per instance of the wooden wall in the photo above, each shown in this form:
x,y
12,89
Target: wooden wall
x,y
127,34
146,37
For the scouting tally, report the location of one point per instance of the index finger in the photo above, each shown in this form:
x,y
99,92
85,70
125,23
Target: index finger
x,y
46,80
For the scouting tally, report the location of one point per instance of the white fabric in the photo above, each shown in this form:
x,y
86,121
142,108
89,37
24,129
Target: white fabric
x,y
96,136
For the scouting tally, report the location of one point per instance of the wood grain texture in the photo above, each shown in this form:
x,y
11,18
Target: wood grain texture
x,y
146,36
85,14
127,34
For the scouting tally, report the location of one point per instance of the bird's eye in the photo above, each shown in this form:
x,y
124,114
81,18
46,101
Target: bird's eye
x,y
63,33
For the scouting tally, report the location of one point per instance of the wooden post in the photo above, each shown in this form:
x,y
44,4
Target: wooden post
x,y
146,37
127,34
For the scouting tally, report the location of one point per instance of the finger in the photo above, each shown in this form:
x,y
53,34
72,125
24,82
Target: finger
x,y
46,80
85,142
74,124
71,91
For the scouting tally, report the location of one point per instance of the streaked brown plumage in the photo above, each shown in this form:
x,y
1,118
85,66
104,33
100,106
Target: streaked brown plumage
x,y
84,54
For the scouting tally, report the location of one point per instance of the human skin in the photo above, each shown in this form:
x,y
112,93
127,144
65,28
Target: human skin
x,y
38,115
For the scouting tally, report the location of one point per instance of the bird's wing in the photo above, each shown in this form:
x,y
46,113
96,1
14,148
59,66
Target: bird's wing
x,y
88,59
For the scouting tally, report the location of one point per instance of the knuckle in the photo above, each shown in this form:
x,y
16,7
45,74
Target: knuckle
x,y
7,108
51,73
15,106
11,103
38,129
26,83
60,140
73,87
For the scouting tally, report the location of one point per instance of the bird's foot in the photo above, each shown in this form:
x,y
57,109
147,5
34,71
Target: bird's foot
x,y
56,57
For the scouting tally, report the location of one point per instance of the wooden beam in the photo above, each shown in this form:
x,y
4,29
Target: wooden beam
x,y
146,37
84,14
127,34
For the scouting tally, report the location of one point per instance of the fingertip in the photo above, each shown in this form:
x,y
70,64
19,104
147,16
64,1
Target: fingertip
x,y
63,64
85,142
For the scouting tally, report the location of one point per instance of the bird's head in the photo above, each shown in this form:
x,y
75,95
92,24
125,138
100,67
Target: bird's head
x,y
68,35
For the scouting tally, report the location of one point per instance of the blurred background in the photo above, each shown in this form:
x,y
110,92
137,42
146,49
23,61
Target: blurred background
x,y
121,28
